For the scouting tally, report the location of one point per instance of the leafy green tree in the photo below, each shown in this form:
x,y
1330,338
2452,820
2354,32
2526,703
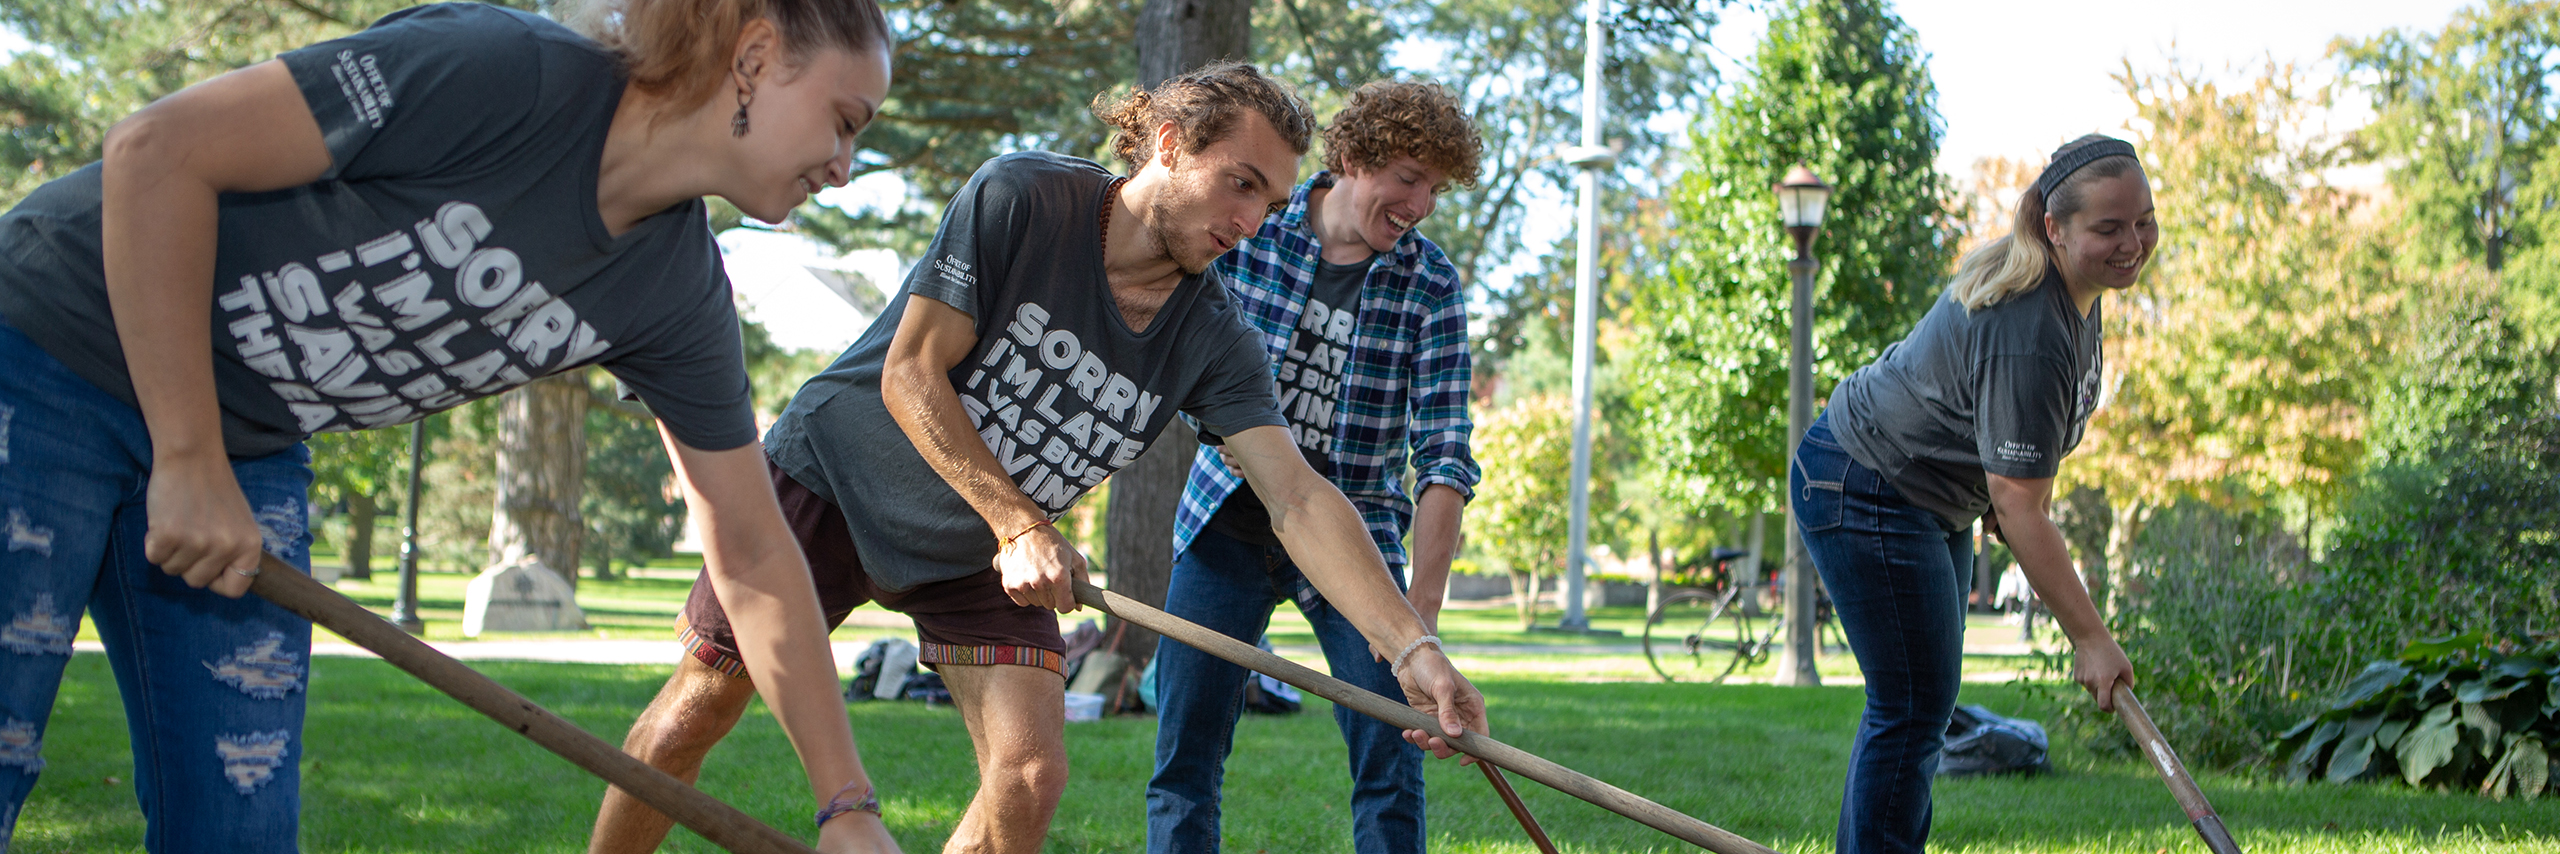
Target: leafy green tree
x,y
975,80
2239,368
1327,48
92,62
1526,352
460,485
774,373
1843,86
630,505
363,471
1517,66
1519,516
2468,114
969,81
2468,119
995,77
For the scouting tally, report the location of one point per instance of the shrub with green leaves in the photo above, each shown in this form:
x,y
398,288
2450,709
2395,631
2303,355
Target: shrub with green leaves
x,y
2457,712
2208,625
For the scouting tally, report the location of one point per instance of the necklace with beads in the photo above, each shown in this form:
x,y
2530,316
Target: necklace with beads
x,y
1110,195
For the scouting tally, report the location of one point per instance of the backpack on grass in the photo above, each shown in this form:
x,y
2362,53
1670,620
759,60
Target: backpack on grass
x,y
1980,741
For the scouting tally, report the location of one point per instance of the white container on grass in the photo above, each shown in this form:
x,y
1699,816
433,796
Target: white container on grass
x,y
1083,707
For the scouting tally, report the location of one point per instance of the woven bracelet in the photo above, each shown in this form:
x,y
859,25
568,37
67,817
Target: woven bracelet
x,y
869,802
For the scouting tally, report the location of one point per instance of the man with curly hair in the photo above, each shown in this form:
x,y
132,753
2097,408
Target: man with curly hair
x,y
1060,319
1365,322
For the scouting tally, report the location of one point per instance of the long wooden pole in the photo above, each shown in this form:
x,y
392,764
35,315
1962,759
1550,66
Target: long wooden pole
x,y
1519,809
1679,825
2182,785
721,823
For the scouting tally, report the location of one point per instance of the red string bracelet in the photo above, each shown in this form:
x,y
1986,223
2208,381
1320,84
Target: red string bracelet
x,y
1005,544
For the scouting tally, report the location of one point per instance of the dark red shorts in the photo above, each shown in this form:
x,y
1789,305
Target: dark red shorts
x,y
962,621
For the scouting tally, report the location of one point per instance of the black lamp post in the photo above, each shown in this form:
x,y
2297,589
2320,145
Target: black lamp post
x,y
404,609
1802,200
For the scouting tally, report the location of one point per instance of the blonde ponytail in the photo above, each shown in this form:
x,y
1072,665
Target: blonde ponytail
x,y
2016,262
2001,269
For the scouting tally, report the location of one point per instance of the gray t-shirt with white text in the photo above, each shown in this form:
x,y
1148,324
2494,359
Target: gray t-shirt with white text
x,y
1308,379
452,250
2005,390
1060,388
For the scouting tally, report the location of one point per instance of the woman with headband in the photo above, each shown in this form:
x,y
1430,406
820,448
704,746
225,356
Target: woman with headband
x,y
1967,418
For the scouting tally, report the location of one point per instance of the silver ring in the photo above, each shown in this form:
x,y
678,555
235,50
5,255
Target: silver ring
x,y
245,573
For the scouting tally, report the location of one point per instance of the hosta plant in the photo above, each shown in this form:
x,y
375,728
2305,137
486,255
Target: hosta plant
x,y
2450,712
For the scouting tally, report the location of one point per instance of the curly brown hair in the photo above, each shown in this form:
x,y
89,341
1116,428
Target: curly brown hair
x,y
1388,118
1204,105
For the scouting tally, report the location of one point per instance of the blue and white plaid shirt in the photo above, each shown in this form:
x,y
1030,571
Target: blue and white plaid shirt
x,y
1405,384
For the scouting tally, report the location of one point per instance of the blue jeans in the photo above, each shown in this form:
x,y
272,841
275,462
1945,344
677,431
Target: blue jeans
x,y
1231,587
1898,576
212,687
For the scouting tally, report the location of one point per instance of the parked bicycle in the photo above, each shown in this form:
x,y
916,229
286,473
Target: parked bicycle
x,y
1709,635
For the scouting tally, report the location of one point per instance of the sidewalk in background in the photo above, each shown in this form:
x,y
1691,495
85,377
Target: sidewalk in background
x,y
658,652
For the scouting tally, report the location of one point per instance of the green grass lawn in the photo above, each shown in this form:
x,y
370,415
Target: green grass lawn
x,y
624,608
392,766
1620,658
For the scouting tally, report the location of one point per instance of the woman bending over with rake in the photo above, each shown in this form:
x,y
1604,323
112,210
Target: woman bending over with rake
x,y
449,204
1968,418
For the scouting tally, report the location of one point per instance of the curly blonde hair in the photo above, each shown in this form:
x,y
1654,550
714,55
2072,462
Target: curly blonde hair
x,y
1205,105
1388,118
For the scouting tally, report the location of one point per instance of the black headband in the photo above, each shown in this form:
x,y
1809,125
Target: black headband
x,y
2074,160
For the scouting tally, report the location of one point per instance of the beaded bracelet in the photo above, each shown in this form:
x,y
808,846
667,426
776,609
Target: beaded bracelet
x,y
869,802
1005,544
1396,668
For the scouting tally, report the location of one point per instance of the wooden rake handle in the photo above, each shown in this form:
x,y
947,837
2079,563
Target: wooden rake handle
x,y
721,823
2182,785
1519,809
1679,825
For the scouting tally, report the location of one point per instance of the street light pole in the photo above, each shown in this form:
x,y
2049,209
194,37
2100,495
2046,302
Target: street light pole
x,y
1590,157
404,608
1801,202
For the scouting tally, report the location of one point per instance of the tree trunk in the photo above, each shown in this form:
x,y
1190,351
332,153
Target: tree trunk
x,y
2109,584
360,514
542,466
1524,591
603,557
1174,36
1139,529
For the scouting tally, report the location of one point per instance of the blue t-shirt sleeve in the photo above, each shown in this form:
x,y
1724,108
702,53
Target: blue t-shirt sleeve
x,y
426,90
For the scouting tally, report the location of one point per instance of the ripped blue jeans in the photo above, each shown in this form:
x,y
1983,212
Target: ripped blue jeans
x,y
213,688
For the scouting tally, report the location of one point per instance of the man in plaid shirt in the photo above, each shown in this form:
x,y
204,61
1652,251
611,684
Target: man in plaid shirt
x,y
1366,326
